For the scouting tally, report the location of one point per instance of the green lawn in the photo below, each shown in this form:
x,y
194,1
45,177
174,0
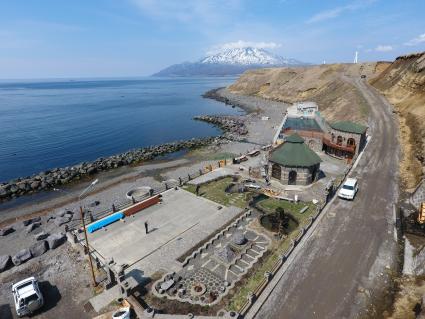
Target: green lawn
x,y
215,191
254,279
270,205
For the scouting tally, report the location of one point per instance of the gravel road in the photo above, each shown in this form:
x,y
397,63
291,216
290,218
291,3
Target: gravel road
x,y
342,267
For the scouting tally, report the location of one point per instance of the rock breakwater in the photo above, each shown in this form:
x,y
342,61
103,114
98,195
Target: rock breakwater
x,y
233,126
60,176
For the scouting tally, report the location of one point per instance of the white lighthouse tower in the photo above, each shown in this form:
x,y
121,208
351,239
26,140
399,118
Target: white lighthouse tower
x,y
356,57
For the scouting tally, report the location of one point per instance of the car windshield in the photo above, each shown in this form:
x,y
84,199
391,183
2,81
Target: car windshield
x,y
349,187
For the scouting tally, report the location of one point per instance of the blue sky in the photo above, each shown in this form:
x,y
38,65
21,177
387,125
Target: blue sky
x,y
112,38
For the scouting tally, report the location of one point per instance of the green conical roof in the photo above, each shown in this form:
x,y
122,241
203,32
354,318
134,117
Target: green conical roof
x,y
294,153
294,138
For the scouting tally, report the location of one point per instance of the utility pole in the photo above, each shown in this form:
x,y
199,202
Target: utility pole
x,y
87,250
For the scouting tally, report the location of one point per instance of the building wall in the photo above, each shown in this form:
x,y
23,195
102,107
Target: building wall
x,y
314,143
304,174
360,139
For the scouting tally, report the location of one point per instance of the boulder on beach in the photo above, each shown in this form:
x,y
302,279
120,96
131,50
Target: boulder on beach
x,y
32,226
21,257
38,248
55,240
40,236
5,262
32,220
59,221
6,231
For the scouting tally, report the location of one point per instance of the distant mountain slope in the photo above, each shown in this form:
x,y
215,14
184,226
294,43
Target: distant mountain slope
x,y
229,62
403,83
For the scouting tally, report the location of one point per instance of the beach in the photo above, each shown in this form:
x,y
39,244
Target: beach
x,y
114,184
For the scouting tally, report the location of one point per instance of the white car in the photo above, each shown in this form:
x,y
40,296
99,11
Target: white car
x,y
27,296
348,189
122,313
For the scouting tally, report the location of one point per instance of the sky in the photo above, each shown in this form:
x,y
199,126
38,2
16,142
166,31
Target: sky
x,y
126,38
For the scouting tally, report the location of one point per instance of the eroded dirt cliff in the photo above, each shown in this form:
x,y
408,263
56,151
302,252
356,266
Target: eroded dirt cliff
x,y
403,83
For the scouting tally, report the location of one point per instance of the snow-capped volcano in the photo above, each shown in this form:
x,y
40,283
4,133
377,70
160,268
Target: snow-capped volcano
x,y
246,56
229,62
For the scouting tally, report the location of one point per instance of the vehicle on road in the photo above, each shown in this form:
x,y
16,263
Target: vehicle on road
x,y
349,189
27,296
122,313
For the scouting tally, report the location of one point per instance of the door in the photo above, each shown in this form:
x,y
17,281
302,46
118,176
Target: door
x,y
292,178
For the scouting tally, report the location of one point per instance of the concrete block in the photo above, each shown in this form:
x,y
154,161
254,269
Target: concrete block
x,y
21,257
39,248
5,262
55,240
6,231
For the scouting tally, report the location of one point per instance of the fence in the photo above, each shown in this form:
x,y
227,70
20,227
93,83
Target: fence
x,y
126,203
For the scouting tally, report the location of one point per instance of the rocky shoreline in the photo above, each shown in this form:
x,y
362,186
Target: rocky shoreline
x,y
49,179
233,126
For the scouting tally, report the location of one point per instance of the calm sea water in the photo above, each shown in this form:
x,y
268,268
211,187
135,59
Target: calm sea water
x,y
60,123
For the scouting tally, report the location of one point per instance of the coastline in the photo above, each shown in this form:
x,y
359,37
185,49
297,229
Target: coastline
x,y
49,179
114,183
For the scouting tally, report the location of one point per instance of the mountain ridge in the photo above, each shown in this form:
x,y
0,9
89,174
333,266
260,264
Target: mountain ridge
x,y
229,62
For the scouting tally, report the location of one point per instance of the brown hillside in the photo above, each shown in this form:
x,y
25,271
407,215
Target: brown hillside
x,y
324,84
403,83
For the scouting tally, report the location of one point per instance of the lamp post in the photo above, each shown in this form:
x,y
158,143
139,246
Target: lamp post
x,y
85,230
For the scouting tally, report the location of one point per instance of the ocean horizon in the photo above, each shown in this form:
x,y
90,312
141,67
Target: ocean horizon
x,y
49,123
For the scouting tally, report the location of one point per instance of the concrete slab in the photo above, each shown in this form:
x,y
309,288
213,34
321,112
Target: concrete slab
x,y
177,224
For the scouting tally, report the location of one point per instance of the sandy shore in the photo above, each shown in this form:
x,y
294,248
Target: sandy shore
x,y
114,184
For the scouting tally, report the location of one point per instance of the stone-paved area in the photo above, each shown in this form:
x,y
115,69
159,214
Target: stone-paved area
x,y
215,267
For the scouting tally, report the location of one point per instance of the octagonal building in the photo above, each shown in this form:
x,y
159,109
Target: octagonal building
x,y
294,163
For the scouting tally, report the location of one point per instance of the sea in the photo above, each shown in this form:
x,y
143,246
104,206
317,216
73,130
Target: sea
x,y
46,124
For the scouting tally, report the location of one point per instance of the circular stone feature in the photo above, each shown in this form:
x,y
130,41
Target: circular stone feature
x,y
138,192
198,289
239,238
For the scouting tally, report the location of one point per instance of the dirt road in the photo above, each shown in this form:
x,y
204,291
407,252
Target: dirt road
x,y
345,262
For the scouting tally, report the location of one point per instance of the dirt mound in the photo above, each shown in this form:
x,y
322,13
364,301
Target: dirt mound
x,y
403,83
324,84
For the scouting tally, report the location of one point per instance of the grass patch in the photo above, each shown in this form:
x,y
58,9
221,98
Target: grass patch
x,y
215,191
270,205
256,275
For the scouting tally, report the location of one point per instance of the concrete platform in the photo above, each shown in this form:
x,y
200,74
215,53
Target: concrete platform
x,y
176,225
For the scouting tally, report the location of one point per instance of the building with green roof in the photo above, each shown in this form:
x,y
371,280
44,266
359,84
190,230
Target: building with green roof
x,y
344,139
348,127
294,163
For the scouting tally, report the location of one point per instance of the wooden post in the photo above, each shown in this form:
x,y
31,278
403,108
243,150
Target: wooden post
x,y
87,247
